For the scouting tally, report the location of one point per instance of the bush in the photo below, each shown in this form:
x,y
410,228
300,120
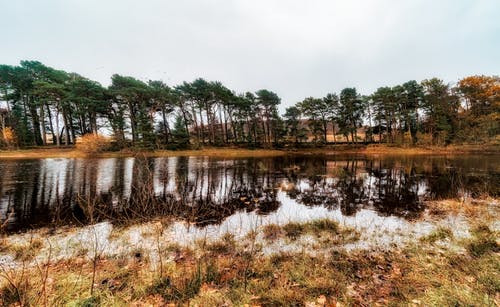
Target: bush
x,y
93,143
7,137
424,139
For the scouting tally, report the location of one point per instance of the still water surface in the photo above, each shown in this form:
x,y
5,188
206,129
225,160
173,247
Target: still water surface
x,y
207,192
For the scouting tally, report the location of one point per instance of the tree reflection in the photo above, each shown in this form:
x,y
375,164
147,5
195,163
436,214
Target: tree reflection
x,y
206,191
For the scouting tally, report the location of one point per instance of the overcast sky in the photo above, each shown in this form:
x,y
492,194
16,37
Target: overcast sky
x,y
295,48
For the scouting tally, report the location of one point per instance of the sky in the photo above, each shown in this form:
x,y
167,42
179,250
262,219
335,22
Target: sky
x,y
295,48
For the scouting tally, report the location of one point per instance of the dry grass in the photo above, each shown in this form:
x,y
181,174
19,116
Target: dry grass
x,y
54,152
472,208
426,150
418,274
229,152
440,269
47,152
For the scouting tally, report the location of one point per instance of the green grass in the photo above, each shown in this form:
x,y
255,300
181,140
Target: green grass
x,y
293,230
439,234
483,242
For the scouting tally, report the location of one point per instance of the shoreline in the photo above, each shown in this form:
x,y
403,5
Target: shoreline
x,y
237,152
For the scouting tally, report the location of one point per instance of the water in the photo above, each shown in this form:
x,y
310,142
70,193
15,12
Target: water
x,y
215,193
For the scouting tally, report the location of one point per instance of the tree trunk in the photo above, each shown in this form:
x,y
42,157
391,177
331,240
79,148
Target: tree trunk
x,y
233,126
202,127
333,131
42,117
66,129
184,116
36,122
93,120
3,127
69,123
325,131
210,123
133,123
165,123
379,133
226,138
81,124
58,139
51,126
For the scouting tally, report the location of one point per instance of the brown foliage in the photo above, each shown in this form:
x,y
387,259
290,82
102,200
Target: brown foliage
x,y
93,143
8,137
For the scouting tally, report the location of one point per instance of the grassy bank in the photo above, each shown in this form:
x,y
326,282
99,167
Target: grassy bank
x,y
74,153
297,263
235,152
382,149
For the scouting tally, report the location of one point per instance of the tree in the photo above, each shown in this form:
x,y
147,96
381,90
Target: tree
x,y
440,109
24,77
481,94
331,102
410,101
385,111
17,112
224,99
135,96
319,113
52,94
180,134
164,100
90,103
268,102
481,116
292,121
350,112
200,93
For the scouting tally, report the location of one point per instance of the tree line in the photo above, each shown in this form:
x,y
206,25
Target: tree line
x,y
43,105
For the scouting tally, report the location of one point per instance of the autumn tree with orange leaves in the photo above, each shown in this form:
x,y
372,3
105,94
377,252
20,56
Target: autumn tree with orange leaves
x,y
481,115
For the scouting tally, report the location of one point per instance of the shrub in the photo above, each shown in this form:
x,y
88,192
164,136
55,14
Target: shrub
x,y
7,137
93,143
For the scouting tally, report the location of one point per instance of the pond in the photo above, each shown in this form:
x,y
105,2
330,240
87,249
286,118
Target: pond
x,y
234,194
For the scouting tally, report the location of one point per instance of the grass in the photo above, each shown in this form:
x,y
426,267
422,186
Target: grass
x,y
484,241
325,229
439,234
293,230
70,152
236,152
23,251
235,271
226,245
473,209
422,150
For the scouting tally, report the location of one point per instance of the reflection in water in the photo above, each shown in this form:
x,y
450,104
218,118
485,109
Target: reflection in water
x,y
205,191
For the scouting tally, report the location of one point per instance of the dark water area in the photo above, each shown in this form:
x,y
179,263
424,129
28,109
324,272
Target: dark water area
x,y
206,191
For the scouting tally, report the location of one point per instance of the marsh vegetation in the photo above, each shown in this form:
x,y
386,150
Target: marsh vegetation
x,y
271,231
